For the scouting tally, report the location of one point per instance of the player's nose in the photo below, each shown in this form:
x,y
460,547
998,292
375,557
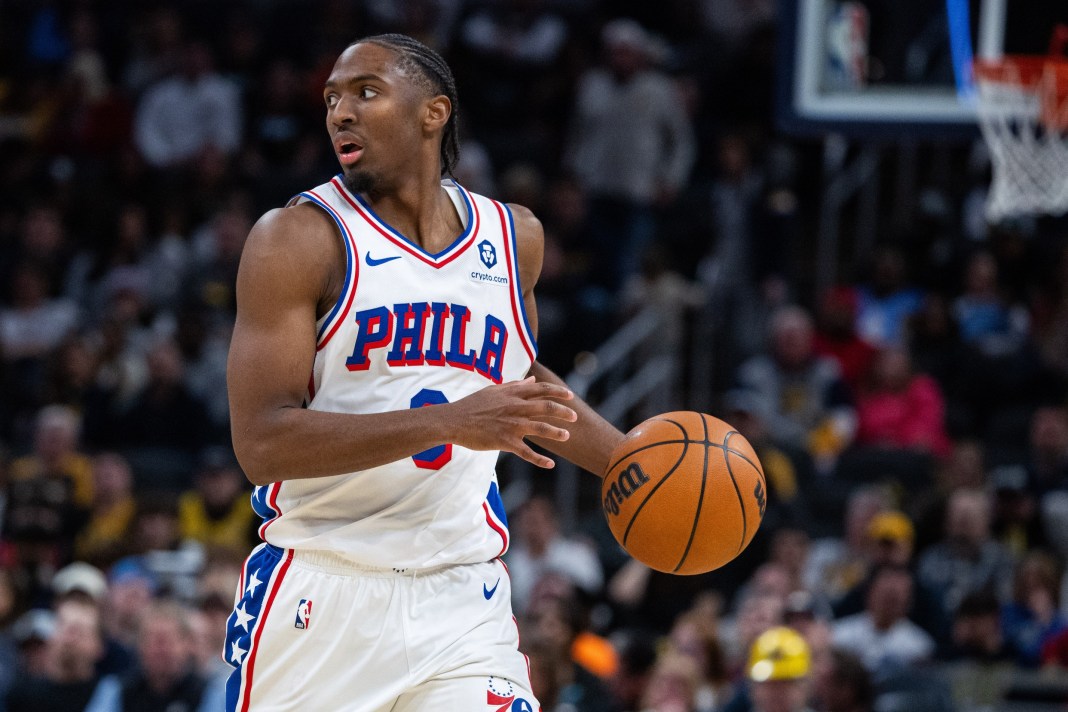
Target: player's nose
x,y
344,111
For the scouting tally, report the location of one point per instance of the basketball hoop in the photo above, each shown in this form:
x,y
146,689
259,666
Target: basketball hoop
x,y
1023,112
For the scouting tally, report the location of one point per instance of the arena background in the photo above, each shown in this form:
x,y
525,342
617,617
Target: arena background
x,y
827,282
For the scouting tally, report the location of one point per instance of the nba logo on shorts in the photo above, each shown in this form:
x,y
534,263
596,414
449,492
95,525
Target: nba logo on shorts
x,y
303,614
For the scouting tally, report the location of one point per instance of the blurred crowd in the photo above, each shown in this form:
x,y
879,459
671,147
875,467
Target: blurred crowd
x,y
912,421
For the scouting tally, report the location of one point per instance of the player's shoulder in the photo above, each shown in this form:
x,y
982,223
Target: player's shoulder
x,y
286,228
298,238
527,225
530,242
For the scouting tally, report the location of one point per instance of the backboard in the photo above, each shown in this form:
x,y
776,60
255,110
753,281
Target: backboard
x,y
897,68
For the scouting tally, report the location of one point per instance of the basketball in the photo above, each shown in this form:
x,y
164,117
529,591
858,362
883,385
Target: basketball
x,y
684,493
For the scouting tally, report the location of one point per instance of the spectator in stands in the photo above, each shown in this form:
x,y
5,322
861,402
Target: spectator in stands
x,y
1033,617
539,548
31,326
967,559
31,633
630,145
122,264
696,635
204,343
778,671
984,318
898,408
843,684
1015,521
34,323
977,629
554,623
637,655
964,469
672,685
43,508
835,565
787,470
186,114
1048,449
882,636
165,419
836,335
519,51
885,306
160,553
217,512
56,454
131,588
281,119
659,287
756,613
891,542
980,666
105,535
165,677
935,344
71,372
216,253
72,654
803,398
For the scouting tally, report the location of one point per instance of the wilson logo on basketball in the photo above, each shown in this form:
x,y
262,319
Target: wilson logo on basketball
x,y
629,480
758,492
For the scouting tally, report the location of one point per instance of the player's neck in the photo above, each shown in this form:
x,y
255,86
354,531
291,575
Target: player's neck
x,y
420,210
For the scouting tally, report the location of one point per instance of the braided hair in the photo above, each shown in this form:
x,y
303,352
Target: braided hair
x,y
432,73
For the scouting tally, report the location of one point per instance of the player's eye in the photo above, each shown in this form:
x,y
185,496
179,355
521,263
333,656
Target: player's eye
x,y
368,93
331,100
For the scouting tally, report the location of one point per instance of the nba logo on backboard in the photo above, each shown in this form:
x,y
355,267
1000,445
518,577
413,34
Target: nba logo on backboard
x,y
303,614
487,253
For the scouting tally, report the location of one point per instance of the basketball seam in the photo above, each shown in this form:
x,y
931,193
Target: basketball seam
x,y
737,490
684,441
700,500
641,505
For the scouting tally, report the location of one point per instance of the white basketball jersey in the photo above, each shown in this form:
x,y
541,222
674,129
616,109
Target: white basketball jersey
x,y
410,329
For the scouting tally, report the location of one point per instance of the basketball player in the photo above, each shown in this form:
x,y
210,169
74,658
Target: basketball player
x,y
384,353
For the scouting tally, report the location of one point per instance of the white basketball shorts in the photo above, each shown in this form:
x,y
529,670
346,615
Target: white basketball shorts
x,y
313,632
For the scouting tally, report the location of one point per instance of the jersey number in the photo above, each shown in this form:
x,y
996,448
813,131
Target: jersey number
x,y
436,457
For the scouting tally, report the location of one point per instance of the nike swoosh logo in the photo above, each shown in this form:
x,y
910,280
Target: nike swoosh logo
x,y
488,592
372,262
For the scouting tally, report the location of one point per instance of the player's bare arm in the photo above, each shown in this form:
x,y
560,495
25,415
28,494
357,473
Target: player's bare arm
x,y
289,275
592,437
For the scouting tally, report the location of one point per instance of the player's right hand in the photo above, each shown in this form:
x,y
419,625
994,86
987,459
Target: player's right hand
x,y
499,417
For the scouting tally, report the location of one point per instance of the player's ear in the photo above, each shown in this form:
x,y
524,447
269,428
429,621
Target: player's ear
x,y
438,111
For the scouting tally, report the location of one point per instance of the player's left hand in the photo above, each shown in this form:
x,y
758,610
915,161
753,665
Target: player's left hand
x,y
499,417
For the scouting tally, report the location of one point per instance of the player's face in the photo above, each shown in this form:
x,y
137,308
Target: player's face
x,y
372,116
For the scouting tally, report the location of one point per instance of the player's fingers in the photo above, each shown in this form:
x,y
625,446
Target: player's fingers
x,y
549,432
552,409
544,389
524,451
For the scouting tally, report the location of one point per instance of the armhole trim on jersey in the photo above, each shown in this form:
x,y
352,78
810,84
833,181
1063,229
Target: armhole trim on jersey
x,y
341,307
519,307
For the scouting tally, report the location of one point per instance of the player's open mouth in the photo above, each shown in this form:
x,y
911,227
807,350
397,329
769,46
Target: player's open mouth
x,y
348,152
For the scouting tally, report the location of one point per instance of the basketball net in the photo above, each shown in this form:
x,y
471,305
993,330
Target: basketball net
x,y
1022,104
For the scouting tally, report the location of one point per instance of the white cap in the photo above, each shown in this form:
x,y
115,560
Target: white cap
x,y
80,576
